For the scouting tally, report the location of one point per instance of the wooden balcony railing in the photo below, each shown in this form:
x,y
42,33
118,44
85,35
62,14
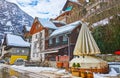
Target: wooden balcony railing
x,y
57,44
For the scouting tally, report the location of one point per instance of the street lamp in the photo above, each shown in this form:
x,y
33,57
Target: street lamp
x,y
68,36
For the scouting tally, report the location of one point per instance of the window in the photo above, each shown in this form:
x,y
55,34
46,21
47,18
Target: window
x,y
57,39
40,34
17,51
23,51
38,26
69,8
50,31
64,38
35,46
54,40
61,38
36,36
40,46
33,54
37,54
50,41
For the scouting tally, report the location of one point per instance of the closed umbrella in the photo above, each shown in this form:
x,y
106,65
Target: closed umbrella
x,y
85,44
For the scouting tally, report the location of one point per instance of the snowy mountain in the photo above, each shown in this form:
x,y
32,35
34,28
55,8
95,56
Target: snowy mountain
x,y
12,18
41,8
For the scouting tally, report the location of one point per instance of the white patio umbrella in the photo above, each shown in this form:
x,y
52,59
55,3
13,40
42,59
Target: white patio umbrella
x,y
85,44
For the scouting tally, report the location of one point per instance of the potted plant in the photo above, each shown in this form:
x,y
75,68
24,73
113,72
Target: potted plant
x,y
74,65
90,75
78,65
75,71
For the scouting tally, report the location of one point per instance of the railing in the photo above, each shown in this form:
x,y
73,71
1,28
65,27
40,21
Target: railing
x,y
57,44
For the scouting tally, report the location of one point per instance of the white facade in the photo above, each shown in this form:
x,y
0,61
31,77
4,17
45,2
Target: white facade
x,y
37,46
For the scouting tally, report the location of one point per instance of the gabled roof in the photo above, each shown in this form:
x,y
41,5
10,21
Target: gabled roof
x,y
39,24
47,23
16,41
66,29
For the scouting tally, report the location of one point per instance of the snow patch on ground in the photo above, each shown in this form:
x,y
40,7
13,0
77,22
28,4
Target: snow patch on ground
x,y
34,69
112,73
22,69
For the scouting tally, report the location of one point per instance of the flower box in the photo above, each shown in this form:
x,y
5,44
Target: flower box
x,y
76,73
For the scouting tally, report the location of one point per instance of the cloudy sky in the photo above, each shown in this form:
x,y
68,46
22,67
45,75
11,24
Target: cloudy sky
x,y
40,8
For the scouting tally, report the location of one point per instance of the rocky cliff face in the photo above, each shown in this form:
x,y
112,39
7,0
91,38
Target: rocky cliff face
x,y
12,18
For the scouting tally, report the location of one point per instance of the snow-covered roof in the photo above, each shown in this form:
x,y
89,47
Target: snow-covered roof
x,y
66,29
74,0
27,28
61,22
15,40
46,23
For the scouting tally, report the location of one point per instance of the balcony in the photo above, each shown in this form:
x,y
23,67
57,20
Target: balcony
x,y
57,44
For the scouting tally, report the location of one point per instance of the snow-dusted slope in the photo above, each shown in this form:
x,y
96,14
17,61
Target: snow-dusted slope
x,y
12,18
41,8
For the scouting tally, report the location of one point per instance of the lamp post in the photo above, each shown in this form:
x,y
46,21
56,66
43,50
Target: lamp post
x,y
68,36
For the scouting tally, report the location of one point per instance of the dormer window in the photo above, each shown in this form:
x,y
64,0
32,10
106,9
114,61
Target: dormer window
x,y
69,8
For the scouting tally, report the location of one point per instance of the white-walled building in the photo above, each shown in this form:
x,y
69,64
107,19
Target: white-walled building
x,y
41,29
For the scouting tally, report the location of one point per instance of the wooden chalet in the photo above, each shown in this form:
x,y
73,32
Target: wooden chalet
x,y
62,41
70,8
41,29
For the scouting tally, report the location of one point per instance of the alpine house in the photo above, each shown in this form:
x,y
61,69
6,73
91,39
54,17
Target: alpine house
x,y
15,47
